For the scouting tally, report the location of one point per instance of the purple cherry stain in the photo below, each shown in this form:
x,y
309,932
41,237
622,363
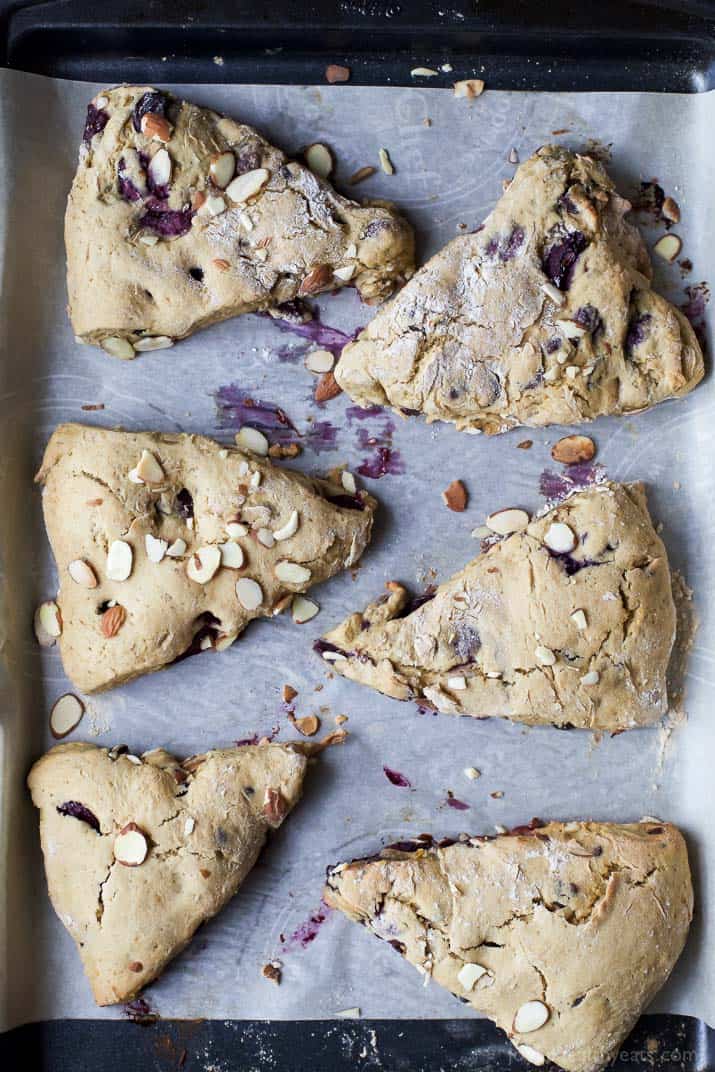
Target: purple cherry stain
x,y
166,222
315,331
307,932
140,1012
76,810
395,778
560,258
454,802
95,122
556,486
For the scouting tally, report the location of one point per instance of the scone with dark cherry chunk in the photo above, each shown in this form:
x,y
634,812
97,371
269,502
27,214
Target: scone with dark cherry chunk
x,y
179,217
165,544
545,315
140,851
561,933
569,620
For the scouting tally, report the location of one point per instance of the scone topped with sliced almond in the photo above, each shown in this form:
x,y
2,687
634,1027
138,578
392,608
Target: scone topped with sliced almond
x,y
545,315
560,933
169,543
140,850
179,217
566,619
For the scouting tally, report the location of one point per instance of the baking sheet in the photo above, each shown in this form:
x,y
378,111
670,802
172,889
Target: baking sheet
x,y
448,176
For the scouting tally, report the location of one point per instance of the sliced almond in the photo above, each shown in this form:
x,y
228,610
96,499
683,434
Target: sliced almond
x,y
222,168
458,683
472,773
203,563
289,529
361,174
213,206
47,623
570,329
579,620
252,440
530,1017
82,573
118,347
572,371
543,655
423,72
319,159
265,537
232,556
177,549
469,974
130,846
220,264
385,162
553,293
65,715
348,481
155,548
668,247
591,678
320,361
155,126
531,1055
317,279
120,559
308,725
671,210
327,388
153,342
469,87
255,480
335,72
560,538
288,693
248,185
455,496
505,522
573,450
235,530
160,168
292,572
303,610
345,273
148,469
249,593
112,620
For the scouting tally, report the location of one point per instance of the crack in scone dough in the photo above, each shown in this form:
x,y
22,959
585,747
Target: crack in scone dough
x,y
484,338
482,644
90,500
205,825
154,261
587,918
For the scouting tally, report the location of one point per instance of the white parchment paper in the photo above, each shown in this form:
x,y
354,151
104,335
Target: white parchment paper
x,y
448,174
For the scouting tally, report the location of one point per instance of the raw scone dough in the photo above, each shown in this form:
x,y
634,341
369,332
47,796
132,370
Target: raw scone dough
x,y
158,248
581,638
544,316
574,926
204,821
203,507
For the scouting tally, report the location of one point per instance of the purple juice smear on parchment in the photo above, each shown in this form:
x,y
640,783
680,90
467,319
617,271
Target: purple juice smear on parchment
x,y
236,407
459,805
698,295
384,459
316,332
556,486
307,932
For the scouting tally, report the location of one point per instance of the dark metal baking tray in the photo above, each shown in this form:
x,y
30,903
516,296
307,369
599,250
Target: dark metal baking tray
x,y
514,44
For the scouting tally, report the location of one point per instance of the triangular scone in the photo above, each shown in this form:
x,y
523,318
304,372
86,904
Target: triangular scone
x,y
179,217
570,622
561,934
165,543
196,826
544,316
